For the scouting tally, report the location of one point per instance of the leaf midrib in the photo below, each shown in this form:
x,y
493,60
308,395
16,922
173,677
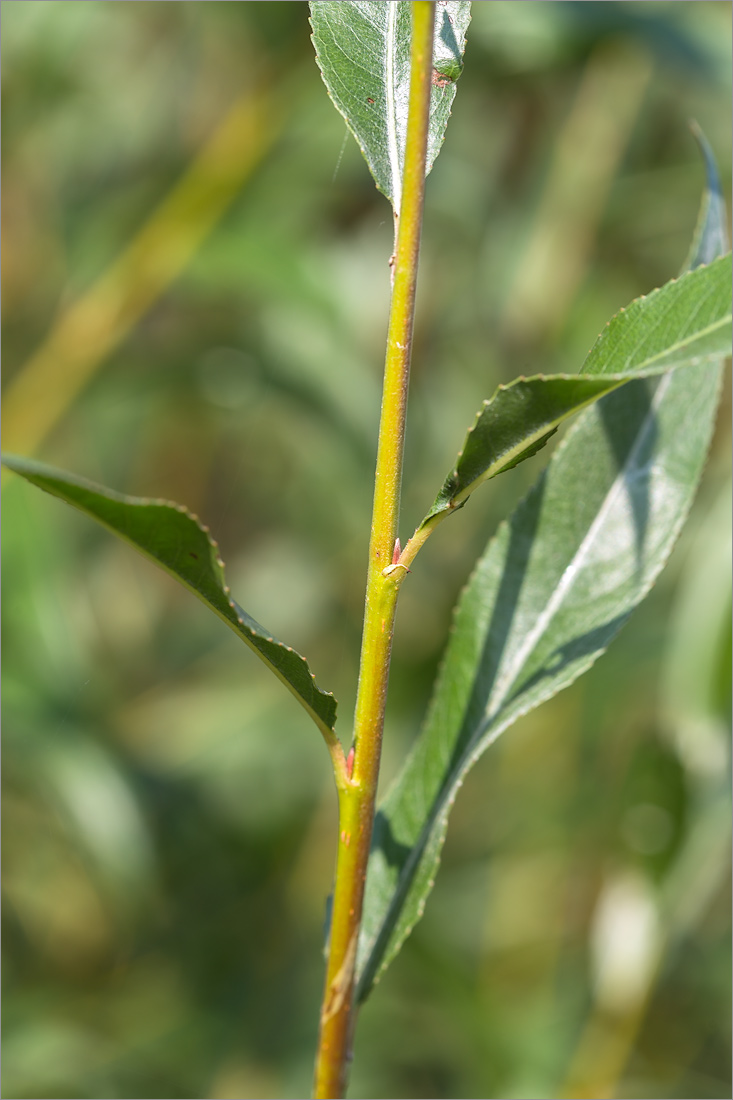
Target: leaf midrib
x,y
693,337
391,100
506,679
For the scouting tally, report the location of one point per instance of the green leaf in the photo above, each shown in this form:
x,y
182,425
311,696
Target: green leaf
x,y
553,588
710,239
685,322
363,52
176,540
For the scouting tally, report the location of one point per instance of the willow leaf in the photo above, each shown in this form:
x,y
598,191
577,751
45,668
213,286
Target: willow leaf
x,y
177,541
555,586
363,52
685,322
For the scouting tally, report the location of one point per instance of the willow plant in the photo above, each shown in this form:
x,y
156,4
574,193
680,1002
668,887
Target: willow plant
x,y
560,576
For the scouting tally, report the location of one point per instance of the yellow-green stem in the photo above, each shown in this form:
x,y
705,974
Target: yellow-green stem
x,y
358,793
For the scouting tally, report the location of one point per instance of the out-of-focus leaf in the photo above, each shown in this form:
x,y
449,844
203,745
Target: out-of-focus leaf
x,y
685,322
176,540
553,588
696,668
363,52
710,239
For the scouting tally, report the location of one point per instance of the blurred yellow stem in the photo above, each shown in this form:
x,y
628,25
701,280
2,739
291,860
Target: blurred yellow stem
x,y
91,327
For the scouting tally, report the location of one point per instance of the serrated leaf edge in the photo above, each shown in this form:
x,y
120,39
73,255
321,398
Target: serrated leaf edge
x,y
645,369
258,631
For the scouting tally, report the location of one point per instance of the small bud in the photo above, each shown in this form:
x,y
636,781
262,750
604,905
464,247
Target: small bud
x,y
396,552
350,762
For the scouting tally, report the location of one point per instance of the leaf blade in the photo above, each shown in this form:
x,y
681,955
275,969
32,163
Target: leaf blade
x,y
363,53
685,322
180,544
523,632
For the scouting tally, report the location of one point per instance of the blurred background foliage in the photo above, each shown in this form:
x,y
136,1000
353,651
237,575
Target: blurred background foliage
x,y
195,289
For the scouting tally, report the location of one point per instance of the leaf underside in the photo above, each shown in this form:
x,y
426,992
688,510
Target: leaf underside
x,y
177,541
363,52
554,586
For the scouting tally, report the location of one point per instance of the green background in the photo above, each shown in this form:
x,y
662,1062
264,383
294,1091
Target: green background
x,y
169,814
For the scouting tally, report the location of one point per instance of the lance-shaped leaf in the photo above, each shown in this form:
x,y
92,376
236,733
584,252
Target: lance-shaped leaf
x,y
363,52
176,540
685,322
553,588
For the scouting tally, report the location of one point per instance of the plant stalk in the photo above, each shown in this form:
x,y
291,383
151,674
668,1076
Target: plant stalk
x,y
357,793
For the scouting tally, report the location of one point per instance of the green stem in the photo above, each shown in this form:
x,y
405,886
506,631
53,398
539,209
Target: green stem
x,y
357,793
418,540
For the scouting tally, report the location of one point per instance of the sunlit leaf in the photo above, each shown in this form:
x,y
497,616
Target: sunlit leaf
x,y
176,540
363,52
685,322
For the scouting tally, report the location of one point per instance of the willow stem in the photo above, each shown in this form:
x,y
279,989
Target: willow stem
x,y
357,793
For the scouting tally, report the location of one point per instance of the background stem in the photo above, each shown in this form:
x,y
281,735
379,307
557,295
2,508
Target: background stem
x,y
357,795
